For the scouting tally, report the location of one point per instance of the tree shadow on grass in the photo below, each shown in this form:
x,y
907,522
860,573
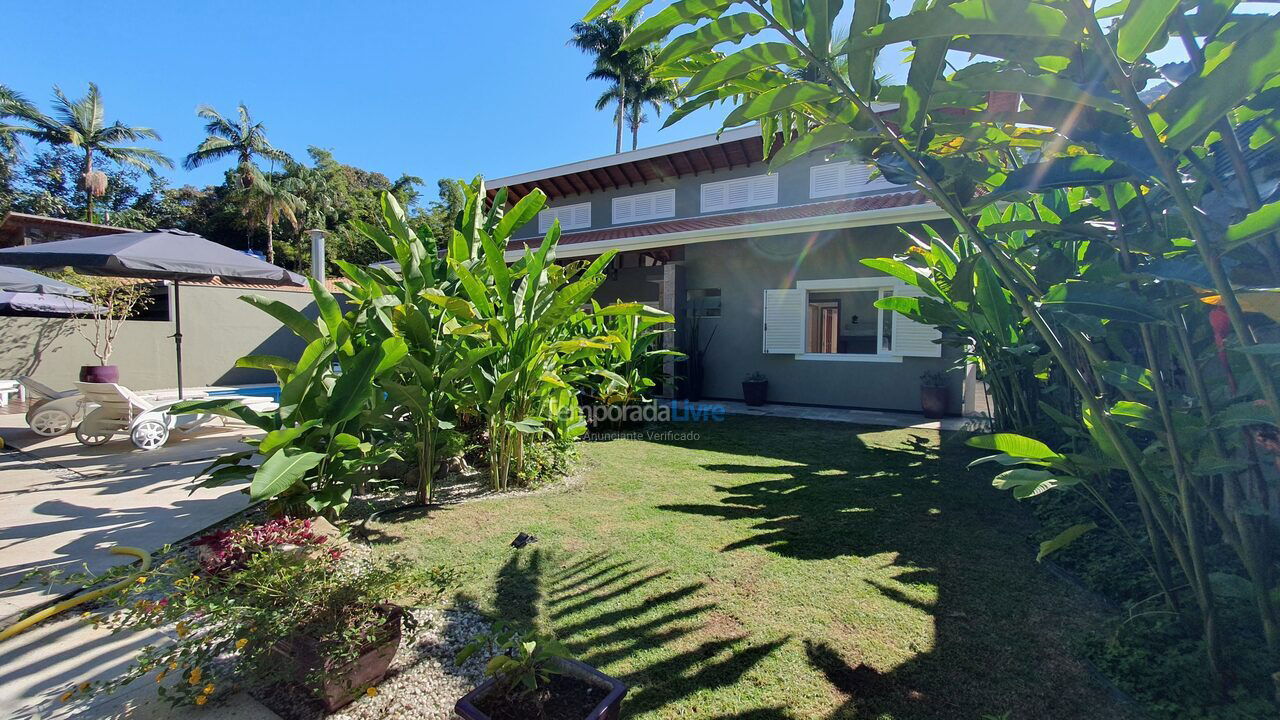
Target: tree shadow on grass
x,y
627,618
956,549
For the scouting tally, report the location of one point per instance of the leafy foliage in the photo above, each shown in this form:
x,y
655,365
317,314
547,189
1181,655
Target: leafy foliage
x,y
1113,236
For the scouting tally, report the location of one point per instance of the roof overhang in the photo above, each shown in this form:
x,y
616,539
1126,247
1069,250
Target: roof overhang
x,y
863,218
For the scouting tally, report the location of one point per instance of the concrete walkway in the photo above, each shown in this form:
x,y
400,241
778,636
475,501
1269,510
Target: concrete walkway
x,y
859,417
61,506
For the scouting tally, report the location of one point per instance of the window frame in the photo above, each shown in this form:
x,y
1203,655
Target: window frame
x,y
547,217
877,185
883,287
613,207
771,178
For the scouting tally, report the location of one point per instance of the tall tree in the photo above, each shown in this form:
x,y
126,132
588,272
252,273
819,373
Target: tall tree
x,y
644,91
81,124
242,138
602,38
267,201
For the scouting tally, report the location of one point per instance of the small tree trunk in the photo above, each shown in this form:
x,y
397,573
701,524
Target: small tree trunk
x,y
84,180
271,247
622,117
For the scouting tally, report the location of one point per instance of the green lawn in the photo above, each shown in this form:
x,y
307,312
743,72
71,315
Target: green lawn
x,y
783,569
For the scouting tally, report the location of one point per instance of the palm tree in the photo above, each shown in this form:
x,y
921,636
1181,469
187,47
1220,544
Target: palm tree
x,y
243,139
603,39
645,91
13,106
266,201
80,123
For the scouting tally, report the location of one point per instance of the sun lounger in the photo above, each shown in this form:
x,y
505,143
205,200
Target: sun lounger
x,y
147,422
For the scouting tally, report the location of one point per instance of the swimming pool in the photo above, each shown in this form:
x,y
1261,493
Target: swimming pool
x,y
267,391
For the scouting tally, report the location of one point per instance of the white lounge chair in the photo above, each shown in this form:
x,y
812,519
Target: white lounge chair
x,y
146,422
9,388
51,412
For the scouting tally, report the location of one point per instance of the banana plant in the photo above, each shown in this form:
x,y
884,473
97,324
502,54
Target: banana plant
x,y
632,366
1144,266
523,313
324,432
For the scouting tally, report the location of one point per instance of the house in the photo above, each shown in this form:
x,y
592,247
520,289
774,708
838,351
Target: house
x,y
759,268
23,229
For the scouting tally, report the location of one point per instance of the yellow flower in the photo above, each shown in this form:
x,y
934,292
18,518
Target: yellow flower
x,y
202,699
241,643
142,579
371,692
196,675
84,687
208,689
182,629
173,666
66,695
160,675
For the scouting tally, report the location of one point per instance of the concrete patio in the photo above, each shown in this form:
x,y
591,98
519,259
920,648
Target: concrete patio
x,y
62,505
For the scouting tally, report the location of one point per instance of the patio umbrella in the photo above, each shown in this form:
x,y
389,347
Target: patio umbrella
x,y
17,280
43,304
172,255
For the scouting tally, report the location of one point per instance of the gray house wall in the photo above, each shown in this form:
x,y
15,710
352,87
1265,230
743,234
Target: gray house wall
x,y
743,269
793,189
218,329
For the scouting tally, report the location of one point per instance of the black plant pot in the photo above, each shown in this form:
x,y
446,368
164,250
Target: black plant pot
x,y
754,392
933,401
610,708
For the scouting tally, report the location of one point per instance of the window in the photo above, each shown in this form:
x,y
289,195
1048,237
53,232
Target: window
x,y
704,302
571,217
838,320
740,193
648,206
843,178
847,322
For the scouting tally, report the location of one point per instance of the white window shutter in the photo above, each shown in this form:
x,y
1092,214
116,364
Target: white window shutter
x,y
825,180
784,321
582,216
855,177
713,197
664,204
910,338
623,210
764,190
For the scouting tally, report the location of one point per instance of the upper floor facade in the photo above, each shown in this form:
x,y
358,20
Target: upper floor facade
x,y
705,188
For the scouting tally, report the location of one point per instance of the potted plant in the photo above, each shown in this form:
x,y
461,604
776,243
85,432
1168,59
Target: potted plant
x,y
933,394
533,676
755,389
260,605
113,300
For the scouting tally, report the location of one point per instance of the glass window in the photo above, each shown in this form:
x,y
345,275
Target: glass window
x,y
847,322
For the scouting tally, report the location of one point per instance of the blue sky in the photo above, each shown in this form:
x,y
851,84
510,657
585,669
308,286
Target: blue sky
x,y
434,89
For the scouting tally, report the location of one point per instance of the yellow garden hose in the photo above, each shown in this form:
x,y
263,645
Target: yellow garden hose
x,y
65,605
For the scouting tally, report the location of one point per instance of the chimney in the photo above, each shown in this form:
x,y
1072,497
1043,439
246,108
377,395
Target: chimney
x,y
317,255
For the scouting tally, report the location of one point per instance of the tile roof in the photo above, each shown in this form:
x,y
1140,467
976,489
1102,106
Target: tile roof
x,y
729,220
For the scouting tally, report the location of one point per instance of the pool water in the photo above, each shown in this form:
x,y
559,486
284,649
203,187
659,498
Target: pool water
x,y
268,391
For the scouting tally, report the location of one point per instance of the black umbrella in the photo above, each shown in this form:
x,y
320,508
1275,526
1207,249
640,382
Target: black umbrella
x,y
162,255
17,280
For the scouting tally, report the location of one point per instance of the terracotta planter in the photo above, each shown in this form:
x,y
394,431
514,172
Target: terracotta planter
x,y
99,373
754,392
610,708
341,683
933,401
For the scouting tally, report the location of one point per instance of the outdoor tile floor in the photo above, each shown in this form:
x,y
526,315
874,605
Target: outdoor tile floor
x,y
63,505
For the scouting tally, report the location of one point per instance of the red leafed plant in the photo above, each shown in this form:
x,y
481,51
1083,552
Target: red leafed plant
x,y
226,551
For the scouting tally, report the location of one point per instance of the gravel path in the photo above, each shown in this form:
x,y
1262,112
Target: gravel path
x,y
423,683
